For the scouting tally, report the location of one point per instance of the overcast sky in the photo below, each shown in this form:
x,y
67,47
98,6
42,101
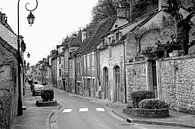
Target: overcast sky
x,y
54,20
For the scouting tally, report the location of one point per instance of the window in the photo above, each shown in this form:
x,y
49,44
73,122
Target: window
x,y
59,60
93,61
60,72
103,42
117,36
88,61
78,68
109,40
110,52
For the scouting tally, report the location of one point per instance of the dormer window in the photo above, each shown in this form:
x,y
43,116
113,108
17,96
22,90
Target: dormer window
x,y
109,40
117,36
113,40
103,42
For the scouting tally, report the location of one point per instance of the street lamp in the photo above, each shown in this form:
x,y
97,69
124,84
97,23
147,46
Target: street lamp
x,y
30,21
28,55
30,18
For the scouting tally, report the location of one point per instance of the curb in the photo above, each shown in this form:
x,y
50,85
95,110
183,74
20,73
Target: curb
x,y
50,121
130,120
162,123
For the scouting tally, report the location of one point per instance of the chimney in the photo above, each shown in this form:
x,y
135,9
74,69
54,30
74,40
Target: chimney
x,y
130,15
124,10
121,10
84,34
3,19
162,4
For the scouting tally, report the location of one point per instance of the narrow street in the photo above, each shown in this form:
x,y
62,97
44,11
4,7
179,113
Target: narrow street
x,y
78,113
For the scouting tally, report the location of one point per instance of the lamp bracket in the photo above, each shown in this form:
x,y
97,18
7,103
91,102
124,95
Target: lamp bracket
x,y
33,8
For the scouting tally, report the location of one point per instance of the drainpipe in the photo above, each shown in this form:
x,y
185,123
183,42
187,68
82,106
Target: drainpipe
x,y
75,64
124,52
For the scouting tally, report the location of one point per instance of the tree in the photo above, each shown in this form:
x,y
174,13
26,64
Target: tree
x,y
142,7
183,25
104,9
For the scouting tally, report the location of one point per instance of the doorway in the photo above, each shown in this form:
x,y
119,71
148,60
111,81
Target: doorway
x,y
116,83
154,78
105,82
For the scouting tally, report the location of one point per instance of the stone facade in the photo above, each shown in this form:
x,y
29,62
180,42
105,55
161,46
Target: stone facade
x,y
54,69
8,84
60,71
177,81
71,86
60,66
66,68
111,58
8,95
171,78
136,77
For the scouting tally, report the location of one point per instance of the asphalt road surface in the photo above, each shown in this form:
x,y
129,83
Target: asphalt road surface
x,y
79,113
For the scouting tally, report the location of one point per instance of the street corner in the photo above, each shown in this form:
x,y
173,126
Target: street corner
x,y
52,117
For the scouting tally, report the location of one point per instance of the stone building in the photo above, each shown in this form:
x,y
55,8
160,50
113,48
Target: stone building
x,y
72,45
84,73
60,66
170,76
111,52
54,67
8,74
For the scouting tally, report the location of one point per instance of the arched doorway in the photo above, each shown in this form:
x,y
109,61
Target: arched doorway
x,y
116,83
105,82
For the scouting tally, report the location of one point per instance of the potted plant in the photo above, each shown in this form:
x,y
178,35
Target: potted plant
x,y
47,96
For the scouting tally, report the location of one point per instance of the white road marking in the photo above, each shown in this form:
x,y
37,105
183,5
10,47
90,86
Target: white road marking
x,y
100,109
83,109
67,110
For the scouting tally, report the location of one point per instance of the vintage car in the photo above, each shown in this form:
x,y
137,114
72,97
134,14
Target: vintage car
x,y
37,88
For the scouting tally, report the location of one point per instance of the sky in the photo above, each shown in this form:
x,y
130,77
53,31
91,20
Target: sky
x,y
54,20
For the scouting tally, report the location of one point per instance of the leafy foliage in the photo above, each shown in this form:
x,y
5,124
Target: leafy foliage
x,y
104,9
47,94
152,104
183,24
144,6
137,96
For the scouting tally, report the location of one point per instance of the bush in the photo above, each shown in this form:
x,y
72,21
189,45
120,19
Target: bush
x,y
47,94
137,96
153,104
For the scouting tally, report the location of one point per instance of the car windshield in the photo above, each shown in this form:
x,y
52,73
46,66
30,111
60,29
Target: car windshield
x,y
38,86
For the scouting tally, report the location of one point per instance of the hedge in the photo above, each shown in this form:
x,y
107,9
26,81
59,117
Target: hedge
x,y
137,96
153,104
47,94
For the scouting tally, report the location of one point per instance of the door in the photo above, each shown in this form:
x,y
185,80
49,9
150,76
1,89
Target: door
x,y
105,82
116,82
154,78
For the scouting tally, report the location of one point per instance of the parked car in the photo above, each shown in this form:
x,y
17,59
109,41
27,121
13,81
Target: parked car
x,y
36,91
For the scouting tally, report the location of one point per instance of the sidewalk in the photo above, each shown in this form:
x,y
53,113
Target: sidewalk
x,y
33,117
177,119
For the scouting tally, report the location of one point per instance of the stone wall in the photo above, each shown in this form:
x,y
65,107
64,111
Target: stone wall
x,y
177,81
8,95
8,84
136,77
